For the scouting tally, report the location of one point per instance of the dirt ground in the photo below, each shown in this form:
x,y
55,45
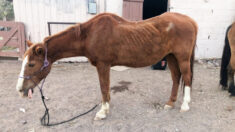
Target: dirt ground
x,y
137,100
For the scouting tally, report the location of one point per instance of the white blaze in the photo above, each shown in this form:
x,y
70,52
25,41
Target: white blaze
x,y
21,80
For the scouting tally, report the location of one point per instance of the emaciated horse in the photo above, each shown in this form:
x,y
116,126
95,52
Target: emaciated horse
x,y
108,40
228,61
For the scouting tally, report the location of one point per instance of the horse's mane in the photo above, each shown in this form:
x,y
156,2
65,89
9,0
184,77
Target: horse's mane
x,y
74,27
68,30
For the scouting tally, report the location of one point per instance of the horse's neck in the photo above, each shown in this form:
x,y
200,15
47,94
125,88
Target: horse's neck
x,y
63,46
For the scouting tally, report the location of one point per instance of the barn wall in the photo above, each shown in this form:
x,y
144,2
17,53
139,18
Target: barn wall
x,y
114,6
36,13
213,17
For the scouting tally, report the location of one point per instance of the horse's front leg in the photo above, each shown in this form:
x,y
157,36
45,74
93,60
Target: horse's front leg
x,y
104,73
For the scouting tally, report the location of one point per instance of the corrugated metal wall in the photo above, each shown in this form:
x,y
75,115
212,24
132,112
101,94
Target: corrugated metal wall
x,y
36,13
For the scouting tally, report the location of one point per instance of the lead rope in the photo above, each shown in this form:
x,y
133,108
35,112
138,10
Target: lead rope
x,y
45,120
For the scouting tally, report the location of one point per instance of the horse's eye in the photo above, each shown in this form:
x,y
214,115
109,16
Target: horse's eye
x,y
31,65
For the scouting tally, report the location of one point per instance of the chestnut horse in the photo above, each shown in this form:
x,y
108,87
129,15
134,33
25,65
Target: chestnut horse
x,y
228,61
108,40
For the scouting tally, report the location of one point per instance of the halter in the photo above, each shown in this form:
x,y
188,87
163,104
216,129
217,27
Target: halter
x,y
45,120
45,65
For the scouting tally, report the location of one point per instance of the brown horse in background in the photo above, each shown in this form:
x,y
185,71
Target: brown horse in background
x,y
228,61
108,40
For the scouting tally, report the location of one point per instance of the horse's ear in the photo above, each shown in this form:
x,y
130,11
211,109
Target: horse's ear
x,y
39,50
29,43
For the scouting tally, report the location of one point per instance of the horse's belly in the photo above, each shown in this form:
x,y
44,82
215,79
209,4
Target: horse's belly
x,y
136,61
140,56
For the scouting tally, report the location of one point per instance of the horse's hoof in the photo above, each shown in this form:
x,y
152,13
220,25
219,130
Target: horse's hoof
x,y
100,115
168,107
98,118
232,94
224,88
184,107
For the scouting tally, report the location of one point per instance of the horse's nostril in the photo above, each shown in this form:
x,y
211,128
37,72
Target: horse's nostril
x,y
21,90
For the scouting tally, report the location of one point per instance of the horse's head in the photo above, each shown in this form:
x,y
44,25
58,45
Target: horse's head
x,y
31,72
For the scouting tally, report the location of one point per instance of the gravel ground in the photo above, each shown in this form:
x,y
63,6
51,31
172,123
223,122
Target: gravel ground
x,y
137,100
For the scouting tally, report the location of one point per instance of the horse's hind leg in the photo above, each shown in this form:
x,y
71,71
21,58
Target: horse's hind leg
x,y
175,74
231,81
104,73
185,70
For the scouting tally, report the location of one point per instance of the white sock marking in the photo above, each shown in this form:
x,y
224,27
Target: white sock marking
x,y
19,84
103,111
187,99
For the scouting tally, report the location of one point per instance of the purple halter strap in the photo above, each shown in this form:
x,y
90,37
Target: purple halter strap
x,y
46,62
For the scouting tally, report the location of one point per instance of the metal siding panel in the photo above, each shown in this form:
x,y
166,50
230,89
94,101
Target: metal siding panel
x,y
36,20
16,8
132,10
126,11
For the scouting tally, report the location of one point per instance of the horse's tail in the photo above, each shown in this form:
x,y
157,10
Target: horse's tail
x,y
193,51
192,63
225,61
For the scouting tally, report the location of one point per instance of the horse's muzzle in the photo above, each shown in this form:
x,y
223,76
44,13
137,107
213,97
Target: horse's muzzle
x,y
25,92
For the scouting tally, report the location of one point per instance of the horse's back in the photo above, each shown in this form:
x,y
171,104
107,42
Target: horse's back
x,y
141,43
